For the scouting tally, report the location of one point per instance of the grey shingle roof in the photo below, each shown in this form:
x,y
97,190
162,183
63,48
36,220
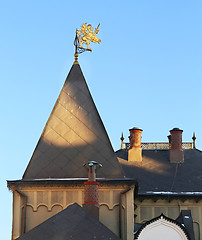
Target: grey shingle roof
x,y
73,135
71,223
155,174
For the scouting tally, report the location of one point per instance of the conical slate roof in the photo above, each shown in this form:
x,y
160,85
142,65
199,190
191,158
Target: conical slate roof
x,y
71,223
73,135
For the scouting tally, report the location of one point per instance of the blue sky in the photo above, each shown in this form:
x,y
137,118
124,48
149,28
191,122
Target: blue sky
x,y
146,72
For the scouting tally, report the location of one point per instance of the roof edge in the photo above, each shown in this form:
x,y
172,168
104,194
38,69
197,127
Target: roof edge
x,y
62,182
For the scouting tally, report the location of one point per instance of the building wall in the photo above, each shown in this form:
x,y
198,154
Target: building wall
x,y
149,209
44,202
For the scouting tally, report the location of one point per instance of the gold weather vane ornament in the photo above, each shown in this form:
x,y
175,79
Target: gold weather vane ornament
x,y
86,35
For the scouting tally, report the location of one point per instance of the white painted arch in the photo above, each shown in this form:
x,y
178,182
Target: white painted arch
x,y
162,229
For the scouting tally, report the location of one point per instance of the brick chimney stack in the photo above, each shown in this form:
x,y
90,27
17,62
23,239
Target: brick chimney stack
x,y
169,140
176,151
91,204
135,151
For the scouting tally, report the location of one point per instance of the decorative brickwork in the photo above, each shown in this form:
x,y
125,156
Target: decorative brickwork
x,y
135,137
155,146
176,138
160,145
91,193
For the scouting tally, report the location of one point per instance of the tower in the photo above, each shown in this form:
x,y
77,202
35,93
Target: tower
x,y
54,177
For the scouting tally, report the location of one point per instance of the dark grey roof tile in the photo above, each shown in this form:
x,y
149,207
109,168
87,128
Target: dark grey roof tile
x,y
71,223
155,173
72,127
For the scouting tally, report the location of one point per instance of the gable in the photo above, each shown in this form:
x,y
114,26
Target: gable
x,y
71,223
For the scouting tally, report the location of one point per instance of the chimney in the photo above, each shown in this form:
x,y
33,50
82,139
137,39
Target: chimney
x,y
169,140
176,151
135,151
91,204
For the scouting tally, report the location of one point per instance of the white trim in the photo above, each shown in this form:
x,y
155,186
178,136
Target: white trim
x,y
162,229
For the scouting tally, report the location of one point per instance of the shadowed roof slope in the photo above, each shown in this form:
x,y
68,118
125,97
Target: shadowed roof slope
x,y
71,223
73,135
155,174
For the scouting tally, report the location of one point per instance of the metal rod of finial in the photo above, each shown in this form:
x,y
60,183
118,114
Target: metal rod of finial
x,y
122,138
194,140
76,44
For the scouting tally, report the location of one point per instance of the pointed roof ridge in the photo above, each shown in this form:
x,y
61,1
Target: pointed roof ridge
x,y
73,135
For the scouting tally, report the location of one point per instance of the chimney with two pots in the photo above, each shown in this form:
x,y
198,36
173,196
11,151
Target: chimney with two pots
x,y
176,154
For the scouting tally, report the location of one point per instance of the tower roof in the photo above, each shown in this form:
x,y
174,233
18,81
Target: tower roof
x,y
74,135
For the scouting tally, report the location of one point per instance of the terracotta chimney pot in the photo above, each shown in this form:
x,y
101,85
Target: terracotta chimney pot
x,y
176,151
169,140
135,151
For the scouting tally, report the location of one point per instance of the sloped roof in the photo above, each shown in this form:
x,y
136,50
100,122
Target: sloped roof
x,y
74,134
156,175
71,223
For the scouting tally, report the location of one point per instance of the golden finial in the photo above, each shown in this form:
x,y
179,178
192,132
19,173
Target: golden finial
x,y
194,140
76,58
122,138
84,36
